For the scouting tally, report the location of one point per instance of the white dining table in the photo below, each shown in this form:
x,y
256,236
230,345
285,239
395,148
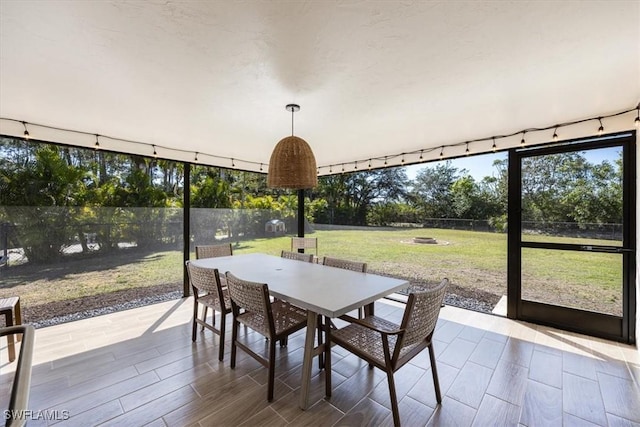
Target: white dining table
x,y
319,289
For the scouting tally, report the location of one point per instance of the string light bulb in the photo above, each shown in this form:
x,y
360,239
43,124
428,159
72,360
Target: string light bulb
x,y
601,128
26,132
419,153
343,167
494,147
355,166
233,164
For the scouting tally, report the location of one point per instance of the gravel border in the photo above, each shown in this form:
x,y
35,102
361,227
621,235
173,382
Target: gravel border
x,y
449,299
468,303
140,302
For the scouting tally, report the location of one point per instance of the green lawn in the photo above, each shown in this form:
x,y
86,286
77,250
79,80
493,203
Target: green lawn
x,y
472,260
384,249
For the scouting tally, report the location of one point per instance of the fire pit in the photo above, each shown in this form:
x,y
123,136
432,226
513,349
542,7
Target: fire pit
x,y
425,240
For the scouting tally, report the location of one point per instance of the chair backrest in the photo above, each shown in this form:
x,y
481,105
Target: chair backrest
x,y
251,296
421,315
304,243
206,280
345,264
297,256
213,251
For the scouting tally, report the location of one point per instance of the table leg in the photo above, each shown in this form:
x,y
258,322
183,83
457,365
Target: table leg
x,y
369,309
307,361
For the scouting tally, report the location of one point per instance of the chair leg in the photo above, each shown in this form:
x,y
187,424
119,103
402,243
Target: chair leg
x,y
272,368
234,339
223,325
327,361
434,372
369,309
394,398
204,316
18,315
319,332
8,315
195,324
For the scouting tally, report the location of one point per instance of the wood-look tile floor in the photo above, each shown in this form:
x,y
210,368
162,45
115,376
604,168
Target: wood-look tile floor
x,y
139,367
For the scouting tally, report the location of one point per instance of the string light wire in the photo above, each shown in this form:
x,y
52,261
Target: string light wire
x,y
418,153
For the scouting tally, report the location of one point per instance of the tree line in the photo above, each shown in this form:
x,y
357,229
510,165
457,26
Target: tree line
x,y
78,181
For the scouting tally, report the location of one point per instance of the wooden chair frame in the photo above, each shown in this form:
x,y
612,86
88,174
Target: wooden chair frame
x,y
297,256
366,338
208,280
304,243
275,321
10,309
345,265
213,251
21,385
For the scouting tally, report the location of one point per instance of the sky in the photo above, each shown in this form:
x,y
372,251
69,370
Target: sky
x,y
482,165
478,166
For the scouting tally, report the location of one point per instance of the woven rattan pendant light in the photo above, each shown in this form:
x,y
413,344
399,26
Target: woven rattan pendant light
x,y
292,164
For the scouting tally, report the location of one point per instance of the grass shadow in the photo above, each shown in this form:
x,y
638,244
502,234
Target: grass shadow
x,y
76,264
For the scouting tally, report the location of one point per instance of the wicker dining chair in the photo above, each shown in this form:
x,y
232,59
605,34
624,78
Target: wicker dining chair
x,y
297,256
304,243
208,291
388,346
213,251
274,320
347,265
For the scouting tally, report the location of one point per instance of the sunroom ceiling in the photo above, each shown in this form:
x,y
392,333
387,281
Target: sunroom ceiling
x,y
373,78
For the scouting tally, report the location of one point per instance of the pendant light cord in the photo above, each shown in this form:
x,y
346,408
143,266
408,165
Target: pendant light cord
x,y
292,113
